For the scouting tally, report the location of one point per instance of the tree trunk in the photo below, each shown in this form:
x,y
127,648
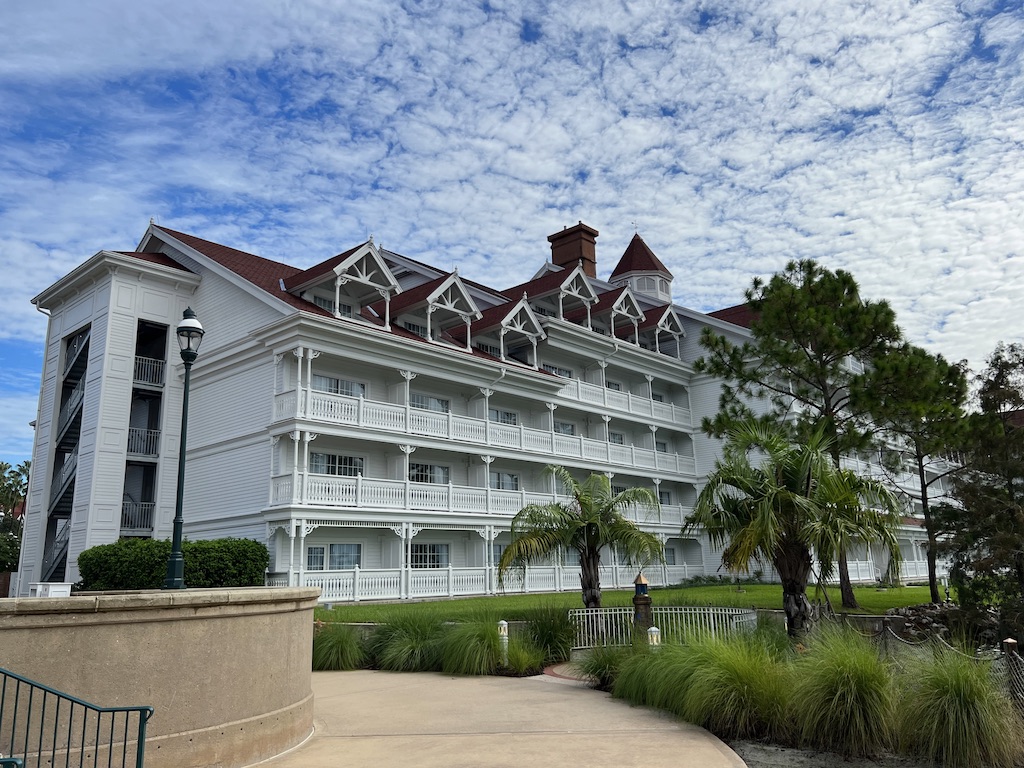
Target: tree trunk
x,y
929,528
849,600
793,563
845,585
590,580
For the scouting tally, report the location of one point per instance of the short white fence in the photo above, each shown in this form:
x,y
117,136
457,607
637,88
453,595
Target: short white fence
x,y
600,627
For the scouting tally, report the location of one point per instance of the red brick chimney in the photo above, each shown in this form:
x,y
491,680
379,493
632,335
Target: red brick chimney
x,y
573,245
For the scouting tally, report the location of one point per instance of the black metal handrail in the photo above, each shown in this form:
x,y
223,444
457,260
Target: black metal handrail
x,y
45,727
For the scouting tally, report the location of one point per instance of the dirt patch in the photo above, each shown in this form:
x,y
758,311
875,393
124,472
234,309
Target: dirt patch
x,y
757,755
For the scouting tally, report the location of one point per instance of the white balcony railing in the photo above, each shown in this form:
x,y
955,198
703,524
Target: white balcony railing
x,y
149,371
143,442
389,417
401,495
137,515
397,583
592,394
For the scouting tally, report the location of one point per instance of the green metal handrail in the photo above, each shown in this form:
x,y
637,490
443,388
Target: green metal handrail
x,y
40,724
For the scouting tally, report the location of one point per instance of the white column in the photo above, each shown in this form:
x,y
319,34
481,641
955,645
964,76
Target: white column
x,y
295,466
306,439
292,573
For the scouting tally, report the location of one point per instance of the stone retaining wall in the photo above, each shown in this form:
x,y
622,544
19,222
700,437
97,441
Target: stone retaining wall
x,y
228,671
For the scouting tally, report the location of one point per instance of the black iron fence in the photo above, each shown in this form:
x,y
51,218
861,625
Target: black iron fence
x,y
41,727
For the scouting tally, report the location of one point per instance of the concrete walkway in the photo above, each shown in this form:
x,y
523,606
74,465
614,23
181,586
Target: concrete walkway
x,y
423,720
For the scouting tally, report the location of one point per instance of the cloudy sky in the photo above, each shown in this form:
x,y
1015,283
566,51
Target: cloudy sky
x,y
885,137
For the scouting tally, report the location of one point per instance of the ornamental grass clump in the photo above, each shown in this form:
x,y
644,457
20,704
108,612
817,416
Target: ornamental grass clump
x,y
337,647
407,642
955,713
656,678
472,648
600,666
844,695
550,628
524,658
738,688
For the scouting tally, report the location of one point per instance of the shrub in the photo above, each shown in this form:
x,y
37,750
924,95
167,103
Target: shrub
x,y
953,712
337,647
142,564
407,642
844,695
524,657
470,649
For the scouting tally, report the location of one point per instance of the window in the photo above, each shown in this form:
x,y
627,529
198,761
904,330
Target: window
x,y
331,464
429,403
540,309
314,558
613,385
616,438
565,428
504,481
429,473
565,373
328,304
338,386
647,284
430,556
497,550
617,489
657,397
344,556
661,446
490,349
419,330
670,555
664,497
503,417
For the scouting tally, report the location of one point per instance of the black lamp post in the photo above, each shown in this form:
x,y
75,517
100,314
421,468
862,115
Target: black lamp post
x,y
190,334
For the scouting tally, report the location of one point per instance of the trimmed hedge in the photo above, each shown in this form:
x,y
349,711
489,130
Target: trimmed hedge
x,y
142,564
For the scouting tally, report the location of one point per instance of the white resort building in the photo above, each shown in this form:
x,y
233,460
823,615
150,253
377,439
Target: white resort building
x,y
375,420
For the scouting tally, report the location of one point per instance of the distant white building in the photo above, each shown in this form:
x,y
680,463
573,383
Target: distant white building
x,y
375,420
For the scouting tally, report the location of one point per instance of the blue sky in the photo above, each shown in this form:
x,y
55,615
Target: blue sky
x,y
883,137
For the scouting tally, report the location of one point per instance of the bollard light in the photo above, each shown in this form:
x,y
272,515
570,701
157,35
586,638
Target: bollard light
x,y
503,641
190,334
653,637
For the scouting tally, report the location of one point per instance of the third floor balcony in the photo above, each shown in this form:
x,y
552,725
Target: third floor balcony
x,y
396,419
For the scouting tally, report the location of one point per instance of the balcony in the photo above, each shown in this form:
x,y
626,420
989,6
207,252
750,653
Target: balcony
x,y
400,419
331,491
143,442
137,516
592,394
149,371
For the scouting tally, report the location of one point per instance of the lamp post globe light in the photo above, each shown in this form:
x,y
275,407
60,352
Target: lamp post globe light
x,y
190,334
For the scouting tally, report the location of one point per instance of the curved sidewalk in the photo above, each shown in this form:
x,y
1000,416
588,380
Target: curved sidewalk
x,y
422,720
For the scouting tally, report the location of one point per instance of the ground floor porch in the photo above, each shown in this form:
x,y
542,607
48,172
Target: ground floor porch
x,y
351,559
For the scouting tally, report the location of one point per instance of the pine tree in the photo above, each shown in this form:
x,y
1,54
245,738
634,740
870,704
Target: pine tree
x,y
815,344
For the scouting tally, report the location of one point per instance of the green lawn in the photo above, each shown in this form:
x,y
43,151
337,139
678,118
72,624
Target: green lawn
x,y
511,607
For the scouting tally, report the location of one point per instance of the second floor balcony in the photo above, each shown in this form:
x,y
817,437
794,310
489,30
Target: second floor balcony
x,y
404,420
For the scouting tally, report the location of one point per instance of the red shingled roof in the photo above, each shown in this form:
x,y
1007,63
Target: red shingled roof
x,y
741,315
409,298
652,317
639,258
490,318
540,286
605,302
323,268
263,273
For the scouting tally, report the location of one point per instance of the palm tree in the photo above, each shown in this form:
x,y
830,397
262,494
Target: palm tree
x,y
792,502
591,520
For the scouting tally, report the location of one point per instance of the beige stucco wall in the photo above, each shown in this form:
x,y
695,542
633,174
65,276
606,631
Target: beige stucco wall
x,y
228,671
